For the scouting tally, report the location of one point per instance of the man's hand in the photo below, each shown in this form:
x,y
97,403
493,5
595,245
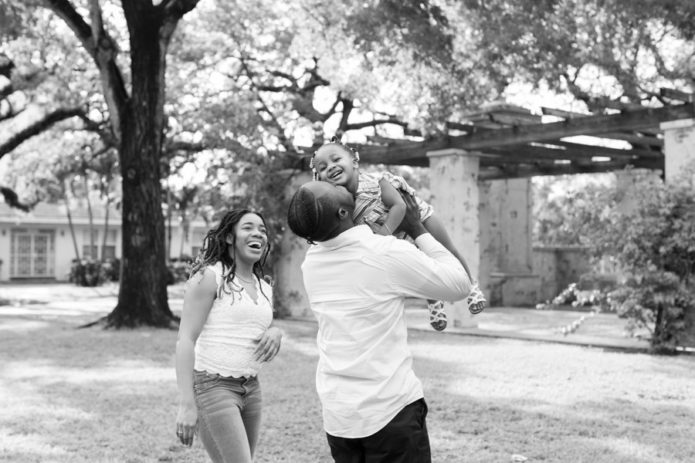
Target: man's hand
x,y
411,223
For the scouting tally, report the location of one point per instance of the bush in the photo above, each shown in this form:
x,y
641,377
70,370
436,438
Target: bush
x,y
647,231
87,272
112,269
653,243
178,269
657,301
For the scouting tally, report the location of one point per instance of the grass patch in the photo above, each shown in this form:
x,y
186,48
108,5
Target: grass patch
x,y
90,395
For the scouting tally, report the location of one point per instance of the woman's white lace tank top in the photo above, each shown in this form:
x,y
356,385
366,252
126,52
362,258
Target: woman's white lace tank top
x,y
234,325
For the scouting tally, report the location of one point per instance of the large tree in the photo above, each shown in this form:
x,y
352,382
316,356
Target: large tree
x,y
135,102
606,53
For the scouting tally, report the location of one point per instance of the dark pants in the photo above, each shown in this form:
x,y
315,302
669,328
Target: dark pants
x,y
403,440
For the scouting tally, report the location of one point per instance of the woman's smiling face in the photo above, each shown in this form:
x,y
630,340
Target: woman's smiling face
x,y
250,238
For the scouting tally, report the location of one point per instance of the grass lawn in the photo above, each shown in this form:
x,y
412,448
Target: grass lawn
x,y
87,395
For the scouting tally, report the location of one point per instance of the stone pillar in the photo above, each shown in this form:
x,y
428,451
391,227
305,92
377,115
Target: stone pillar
x,y
679,148
289,295
679,157
628,182
506,269
454,186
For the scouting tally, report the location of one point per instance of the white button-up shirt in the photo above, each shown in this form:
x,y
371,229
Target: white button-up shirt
x,y
357,284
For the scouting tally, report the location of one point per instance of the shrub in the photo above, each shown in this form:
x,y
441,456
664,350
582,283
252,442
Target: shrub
x,y
112,269
647,233
653,242
657,301
87,272
178,269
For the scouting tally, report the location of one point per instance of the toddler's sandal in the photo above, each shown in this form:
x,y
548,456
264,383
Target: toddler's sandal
x,y
437,315
476,300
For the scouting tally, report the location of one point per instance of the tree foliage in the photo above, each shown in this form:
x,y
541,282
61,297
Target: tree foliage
x,y
648,231
585,47
566,210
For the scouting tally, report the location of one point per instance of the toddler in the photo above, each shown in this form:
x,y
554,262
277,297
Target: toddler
x,y
379,205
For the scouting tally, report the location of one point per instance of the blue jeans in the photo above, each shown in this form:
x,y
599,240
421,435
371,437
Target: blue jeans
x,y
229,415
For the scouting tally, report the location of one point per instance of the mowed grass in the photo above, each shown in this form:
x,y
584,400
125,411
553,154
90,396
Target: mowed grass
x,y
88,395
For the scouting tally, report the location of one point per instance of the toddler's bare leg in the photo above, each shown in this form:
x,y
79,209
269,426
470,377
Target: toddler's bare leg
x,y
476,300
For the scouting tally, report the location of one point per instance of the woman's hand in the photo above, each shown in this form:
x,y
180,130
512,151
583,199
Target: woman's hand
x,y
269,344
186,423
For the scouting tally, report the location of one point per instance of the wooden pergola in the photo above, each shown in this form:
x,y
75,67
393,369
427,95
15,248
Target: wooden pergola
x,y
513,143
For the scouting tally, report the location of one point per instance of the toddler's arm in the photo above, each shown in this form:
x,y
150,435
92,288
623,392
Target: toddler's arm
x,y
393,201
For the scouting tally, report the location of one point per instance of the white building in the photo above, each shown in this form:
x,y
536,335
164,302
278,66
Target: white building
x,y
38,245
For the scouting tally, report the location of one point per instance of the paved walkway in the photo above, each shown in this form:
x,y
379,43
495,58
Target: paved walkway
x,y
51,301
604,330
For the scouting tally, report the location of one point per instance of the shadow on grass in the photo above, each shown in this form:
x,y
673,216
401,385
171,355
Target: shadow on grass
x,y
496,415
94,395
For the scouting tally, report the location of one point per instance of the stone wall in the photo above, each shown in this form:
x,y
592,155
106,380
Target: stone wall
x,y
557,267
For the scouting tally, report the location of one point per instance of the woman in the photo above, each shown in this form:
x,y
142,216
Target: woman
x,y
224,337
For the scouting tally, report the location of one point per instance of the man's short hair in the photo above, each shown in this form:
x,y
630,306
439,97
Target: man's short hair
x,y
313,218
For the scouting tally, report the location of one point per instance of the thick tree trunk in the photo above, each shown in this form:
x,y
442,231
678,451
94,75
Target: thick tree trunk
x,y
142,298
137,122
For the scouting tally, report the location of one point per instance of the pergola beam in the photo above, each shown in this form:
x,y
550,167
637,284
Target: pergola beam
x,y
402,154
591,125
506,171
631,136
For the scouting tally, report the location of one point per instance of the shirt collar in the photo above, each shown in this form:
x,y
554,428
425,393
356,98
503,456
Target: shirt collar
x,y
349,236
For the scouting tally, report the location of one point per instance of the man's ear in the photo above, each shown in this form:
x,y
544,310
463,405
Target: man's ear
x,y
343,213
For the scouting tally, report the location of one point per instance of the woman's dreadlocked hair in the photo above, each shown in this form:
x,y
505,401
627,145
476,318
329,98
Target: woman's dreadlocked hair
x,y
215,249
333,141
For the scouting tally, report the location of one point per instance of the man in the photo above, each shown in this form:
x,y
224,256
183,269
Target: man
x,y
357,282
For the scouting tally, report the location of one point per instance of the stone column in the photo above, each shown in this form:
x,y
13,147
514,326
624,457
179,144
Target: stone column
x,y
679,148
289,293
679,154
627,181
454,187
507,277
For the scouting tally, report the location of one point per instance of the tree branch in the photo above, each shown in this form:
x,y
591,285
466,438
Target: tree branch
x,y
175,9
348,106
185,146
12,199
284,141
374,123
12,104
36,127
6,65
103,50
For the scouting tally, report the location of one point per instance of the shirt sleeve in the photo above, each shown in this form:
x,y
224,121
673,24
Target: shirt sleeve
x,y
430,272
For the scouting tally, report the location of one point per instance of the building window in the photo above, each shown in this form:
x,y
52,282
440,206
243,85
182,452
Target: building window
x,y
108,252
32,253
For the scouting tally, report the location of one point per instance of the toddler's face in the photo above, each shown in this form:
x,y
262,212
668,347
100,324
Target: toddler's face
x,y
334,164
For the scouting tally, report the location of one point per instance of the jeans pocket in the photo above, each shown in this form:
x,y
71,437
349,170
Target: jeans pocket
x,y
204,381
